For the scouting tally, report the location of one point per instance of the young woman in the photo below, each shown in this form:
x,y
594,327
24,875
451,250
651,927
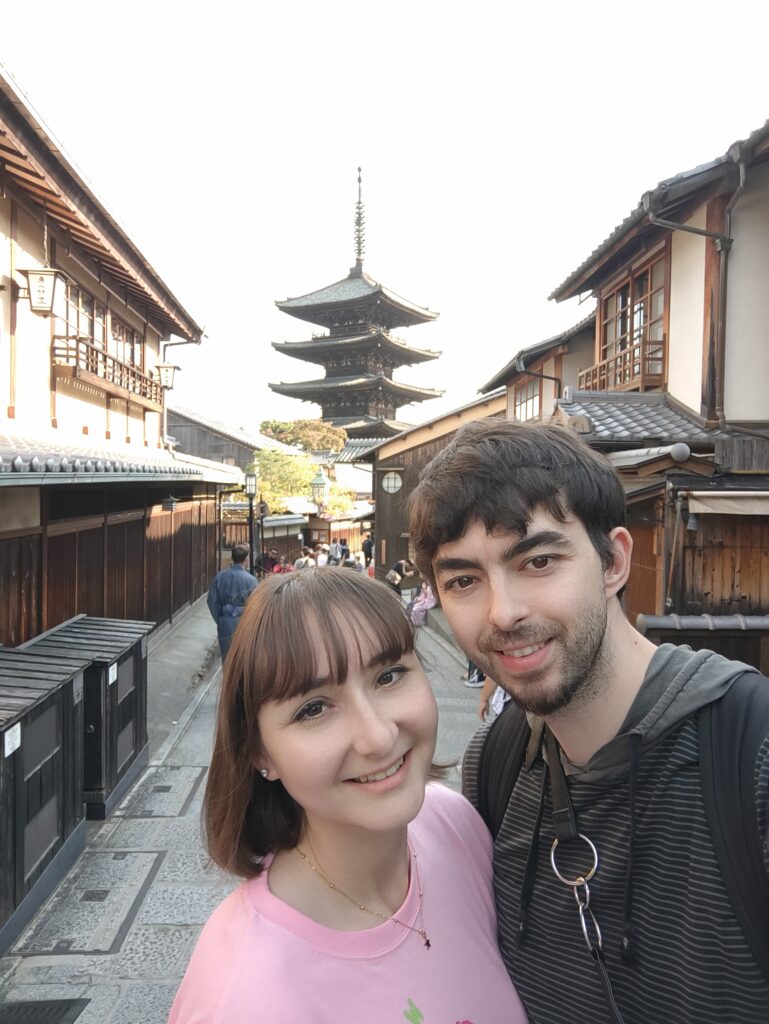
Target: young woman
x,y
366,897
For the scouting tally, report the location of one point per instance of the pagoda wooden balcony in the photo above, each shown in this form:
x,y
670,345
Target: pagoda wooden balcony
x,y
641,366
80,358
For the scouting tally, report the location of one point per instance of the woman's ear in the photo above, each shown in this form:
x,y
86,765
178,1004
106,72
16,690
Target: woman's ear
x,y
616,575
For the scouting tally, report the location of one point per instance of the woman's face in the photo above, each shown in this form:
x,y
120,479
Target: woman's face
x,y
354,754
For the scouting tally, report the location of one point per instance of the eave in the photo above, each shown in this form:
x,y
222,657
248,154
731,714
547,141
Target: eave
x,y
36,173
321,347
673,199
523,359
364,383
357,291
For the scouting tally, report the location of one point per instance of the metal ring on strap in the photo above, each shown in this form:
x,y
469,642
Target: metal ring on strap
x,y
580,879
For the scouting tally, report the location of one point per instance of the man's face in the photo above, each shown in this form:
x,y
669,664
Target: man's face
x,y
530,610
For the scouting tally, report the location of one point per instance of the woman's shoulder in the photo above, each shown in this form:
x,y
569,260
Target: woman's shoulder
x,y
447,811
214,960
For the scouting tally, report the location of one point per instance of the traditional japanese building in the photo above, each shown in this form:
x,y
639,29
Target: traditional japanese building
x,y
358,353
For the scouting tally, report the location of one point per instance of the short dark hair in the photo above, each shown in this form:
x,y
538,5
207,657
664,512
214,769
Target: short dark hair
x,y
288,619
497,472
240,553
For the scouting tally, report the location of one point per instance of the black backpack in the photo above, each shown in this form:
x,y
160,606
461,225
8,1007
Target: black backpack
x,y
730,731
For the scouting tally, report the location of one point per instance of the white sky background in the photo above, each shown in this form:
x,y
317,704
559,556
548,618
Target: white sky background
x,y
499,147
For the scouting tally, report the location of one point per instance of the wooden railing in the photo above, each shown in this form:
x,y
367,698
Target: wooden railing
x,y
639,367
88,360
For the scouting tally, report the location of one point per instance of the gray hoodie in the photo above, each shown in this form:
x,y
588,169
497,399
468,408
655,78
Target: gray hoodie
x,y
658,889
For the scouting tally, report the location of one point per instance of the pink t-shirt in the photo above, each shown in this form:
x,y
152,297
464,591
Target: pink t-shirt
x,y
260,961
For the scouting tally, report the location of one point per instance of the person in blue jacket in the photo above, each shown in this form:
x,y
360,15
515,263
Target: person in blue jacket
x,y
228,594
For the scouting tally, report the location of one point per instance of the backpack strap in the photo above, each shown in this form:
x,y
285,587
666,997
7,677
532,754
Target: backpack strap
x,y
731,731
499,763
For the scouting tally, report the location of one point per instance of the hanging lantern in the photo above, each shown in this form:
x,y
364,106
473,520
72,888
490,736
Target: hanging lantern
x,y
42,285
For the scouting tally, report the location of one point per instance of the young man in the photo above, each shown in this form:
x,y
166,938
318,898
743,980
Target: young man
x,y
228,594
521,528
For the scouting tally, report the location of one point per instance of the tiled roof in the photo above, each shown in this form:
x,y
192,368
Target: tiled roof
x,y
252,439
354,287
354,448
326,342
363,381
28,460
673,189
526,356
631,419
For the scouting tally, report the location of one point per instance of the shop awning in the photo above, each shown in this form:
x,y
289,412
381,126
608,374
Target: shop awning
x,y
733,503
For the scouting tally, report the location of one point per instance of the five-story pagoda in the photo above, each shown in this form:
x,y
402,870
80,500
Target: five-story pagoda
x,y
358,353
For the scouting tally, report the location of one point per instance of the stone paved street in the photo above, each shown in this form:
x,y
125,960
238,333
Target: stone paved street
x,y
119,930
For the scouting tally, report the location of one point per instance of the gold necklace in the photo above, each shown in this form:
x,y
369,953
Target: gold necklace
x,y
384,917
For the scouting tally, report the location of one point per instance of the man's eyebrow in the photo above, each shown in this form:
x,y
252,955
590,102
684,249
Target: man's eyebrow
x,y
446,564
541,539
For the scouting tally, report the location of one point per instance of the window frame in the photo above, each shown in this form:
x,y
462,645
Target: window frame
x,y
529,388
631,344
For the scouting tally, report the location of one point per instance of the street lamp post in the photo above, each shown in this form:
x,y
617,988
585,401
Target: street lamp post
x,y
262,512
250,489
319,488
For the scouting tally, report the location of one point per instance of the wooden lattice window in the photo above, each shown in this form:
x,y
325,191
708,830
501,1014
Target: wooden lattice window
x,y
527,399
632,324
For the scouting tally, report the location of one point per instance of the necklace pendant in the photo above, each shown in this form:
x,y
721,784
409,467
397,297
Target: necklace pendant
x,y
427,942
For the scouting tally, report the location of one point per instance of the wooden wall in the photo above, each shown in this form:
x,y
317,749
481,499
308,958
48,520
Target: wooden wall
x,y
392,539
725,567
141,564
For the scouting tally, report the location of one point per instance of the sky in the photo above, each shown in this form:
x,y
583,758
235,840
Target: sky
x,y
500,144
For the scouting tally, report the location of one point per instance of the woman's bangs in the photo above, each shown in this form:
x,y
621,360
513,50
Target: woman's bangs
x,y
324,616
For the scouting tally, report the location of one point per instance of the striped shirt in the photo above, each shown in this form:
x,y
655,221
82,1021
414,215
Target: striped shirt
x,y
692,965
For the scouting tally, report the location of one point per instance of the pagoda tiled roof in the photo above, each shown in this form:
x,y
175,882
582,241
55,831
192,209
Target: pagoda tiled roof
x,y
355,428
362,382
326,343
356,288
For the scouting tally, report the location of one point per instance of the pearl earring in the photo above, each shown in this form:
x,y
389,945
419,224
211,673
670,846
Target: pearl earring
x,y
264,772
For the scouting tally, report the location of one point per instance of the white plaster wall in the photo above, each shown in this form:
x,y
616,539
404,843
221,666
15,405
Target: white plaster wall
x,y
580,356
5,307
746,376
687,314
19,508
33,339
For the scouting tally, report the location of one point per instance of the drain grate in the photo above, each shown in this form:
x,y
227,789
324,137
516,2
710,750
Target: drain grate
x,y
50,1011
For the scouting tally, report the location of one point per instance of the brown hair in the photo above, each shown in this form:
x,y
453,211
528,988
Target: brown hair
x,y
240,553
497,472
274,654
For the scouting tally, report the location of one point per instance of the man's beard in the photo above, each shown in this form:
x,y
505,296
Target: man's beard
x,y
581,657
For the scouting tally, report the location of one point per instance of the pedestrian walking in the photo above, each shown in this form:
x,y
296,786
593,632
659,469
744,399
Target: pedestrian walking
x,y
629,803
368,549
367,892
228,594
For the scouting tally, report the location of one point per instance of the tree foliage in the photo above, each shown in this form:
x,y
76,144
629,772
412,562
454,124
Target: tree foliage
x,y
309,435
282,476
339,502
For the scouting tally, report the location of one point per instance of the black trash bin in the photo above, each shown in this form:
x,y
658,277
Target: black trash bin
x,y
114,701
42,823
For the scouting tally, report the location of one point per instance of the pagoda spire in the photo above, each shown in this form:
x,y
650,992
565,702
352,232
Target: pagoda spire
x,y
360,228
